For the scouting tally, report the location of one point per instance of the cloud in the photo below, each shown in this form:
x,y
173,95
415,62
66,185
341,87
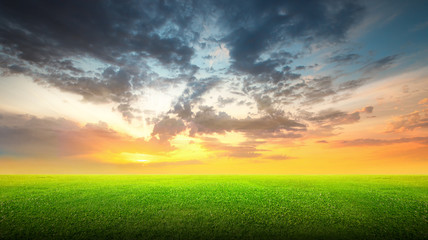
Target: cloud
x,y
333,117
317,89
183,110
305,92
196,88
409,122
207,121
278,157
100,50
344,58
26,135
110,51
352,84
423,101
167,128
225,101
380,65
419,26
326,122
266,24
264,103
44,32
127,111
378,142
368,109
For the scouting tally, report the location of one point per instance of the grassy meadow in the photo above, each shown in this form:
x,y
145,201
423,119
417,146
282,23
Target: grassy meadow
x,y
213,207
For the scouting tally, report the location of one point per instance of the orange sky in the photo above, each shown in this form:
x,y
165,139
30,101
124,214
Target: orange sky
x,y
241,88
389,140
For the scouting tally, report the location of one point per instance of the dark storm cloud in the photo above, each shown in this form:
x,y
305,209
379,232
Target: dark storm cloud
x,y
43,32
123,45
260,25
41,39
254,44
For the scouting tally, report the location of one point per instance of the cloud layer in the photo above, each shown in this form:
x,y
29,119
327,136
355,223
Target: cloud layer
x,y
188,76
109,51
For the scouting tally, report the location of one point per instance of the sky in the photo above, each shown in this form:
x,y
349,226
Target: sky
x,y
213,87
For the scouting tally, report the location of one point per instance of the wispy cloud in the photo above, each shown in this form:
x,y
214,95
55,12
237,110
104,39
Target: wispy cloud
x,y
380,65
409,122
378,142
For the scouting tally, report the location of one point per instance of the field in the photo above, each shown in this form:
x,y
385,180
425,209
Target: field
x,y
213,207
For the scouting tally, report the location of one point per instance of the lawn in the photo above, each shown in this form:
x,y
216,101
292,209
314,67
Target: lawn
x,y
213,207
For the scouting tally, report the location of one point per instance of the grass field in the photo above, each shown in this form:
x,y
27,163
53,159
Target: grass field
x,y
213,207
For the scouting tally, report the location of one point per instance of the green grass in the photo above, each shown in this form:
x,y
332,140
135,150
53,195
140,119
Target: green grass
x,y
213,207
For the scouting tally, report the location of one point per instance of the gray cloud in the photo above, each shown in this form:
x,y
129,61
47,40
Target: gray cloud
x,y
352,84
208,121
333,117
225,101
100,29
344,58
167,128
264,103
380,65
304,92
183,110
138,44
318,89
44,39
368,109
192,94
269,22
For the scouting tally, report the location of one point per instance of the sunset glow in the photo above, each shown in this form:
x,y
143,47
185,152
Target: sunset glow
x,y
219,87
